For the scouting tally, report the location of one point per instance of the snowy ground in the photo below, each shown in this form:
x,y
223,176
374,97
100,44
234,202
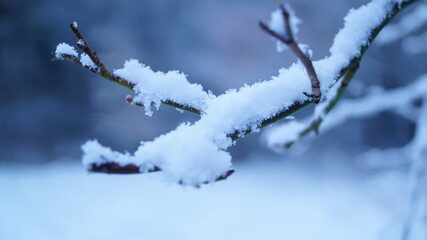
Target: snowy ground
x,y
264,199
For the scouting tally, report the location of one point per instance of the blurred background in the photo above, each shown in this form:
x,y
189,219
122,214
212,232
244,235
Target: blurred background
x,y
48,109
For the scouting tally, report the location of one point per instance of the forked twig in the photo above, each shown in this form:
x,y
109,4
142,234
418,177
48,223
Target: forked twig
x,y
289,39
103,70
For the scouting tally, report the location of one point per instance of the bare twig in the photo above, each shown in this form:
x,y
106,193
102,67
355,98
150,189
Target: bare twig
x,y
85,47
115,168
289,40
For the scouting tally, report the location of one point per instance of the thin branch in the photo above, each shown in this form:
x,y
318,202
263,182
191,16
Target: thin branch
x,y
104,72
289,40
84,46
115,168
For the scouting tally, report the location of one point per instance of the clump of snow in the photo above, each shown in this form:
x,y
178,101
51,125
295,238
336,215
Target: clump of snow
x,y
189,161
154,87
95,153
277,24
357,26
87,62
81,42
75,24
64,48
279,136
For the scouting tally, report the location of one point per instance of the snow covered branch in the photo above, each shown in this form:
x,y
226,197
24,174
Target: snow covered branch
x,y
195,153
152,88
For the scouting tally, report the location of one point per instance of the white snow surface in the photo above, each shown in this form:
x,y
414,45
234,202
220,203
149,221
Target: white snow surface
x,y
154,87
268,199
64,48
194,153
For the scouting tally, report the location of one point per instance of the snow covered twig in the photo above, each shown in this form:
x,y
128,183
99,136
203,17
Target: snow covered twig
x,y
93,63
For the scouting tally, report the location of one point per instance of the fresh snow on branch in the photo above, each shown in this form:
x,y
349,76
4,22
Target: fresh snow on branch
x,y
195,153
64,48
87,62
154,87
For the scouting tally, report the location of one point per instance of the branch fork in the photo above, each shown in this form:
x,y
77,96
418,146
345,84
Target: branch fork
x,y
288,39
